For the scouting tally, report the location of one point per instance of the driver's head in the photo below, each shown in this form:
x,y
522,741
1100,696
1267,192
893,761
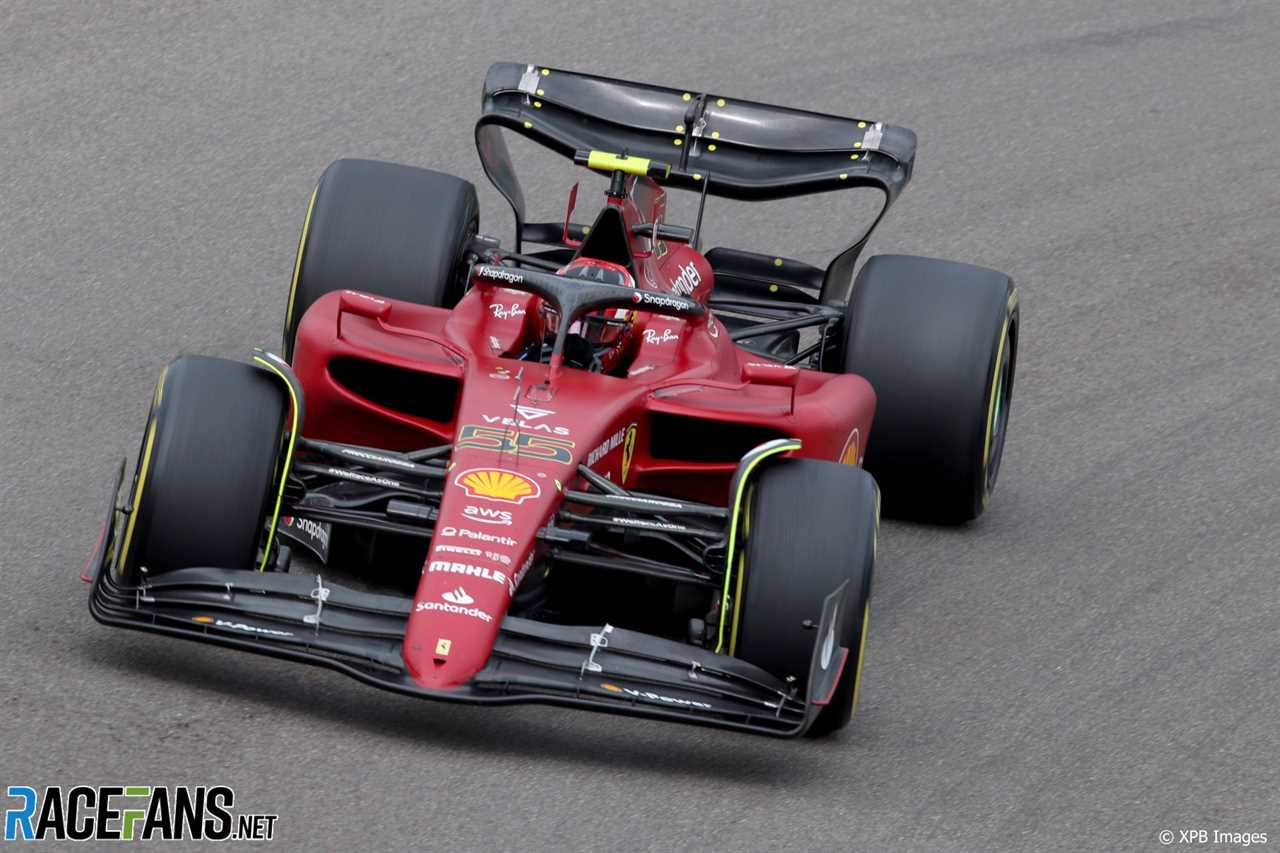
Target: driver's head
x,y
607,332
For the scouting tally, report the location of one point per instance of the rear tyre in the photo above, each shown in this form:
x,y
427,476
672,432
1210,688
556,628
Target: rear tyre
x,y
938,341
386,229
808,526
206,475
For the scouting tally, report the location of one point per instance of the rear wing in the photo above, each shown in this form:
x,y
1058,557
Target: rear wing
x,y
716,144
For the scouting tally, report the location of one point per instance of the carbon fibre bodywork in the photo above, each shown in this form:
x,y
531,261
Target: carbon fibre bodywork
x,y
305,619
721,145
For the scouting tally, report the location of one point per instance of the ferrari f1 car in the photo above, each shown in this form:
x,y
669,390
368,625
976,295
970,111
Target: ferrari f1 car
x,y
601,468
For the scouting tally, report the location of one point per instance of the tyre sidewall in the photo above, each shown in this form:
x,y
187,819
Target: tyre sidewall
x,y
812,526
926,334
211,476
387,229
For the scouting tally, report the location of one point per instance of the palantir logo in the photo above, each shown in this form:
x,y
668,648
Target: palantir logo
x,y
131,812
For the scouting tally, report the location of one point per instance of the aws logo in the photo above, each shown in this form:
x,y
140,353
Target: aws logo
x,y
484,515
497,484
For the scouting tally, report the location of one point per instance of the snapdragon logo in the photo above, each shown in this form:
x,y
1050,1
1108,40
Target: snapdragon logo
x,y
499,274
131,813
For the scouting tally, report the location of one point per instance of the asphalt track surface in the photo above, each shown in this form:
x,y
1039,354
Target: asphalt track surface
x,y
1091,663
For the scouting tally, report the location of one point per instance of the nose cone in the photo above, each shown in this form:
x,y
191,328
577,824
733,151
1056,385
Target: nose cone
x,y
513,453
454,622
484,536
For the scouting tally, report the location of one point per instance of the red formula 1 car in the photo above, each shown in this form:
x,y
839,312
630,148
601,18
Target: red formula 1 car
x,y
614,472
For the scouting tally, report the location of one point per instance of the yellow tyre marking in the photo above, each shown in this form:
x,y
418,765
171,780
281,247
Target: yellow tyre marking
x,y
742,571
862,647
875,535
158,396
866,612
137,491
995,378
288,458
297,262
735,506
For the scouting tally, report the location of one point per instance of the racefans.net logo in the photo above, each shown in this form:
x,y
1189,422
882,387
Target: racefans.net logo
x,y
131,813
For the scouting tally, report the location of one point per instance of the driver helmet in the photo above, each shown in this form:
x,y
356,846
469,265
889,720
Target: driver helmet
x,y
607,331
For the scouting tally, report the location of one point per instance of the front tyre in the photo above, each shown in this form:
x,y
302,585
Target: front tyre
x,y
808,526
938,341
206,475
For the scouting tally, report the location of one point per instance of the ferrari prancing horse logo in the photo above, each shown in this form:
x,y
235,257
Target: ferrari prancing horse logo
x,y
497,484
628,450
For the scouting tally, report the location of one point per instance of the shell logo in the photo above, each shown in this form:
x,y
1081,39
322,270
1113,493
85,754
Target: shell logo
x,y
496,484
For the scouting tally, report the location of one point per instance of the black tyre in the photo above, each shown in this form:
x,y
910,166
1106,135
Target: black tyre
x,y
808,526
206,476
382,228
938,341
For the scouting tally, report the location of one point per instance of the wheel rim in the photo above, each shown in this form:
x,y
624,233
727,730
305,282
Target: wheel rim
x,y
1000,410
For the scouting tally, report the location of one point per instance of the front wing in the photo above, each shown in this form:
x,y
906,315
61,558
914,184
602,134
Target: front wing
x,y
308,619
